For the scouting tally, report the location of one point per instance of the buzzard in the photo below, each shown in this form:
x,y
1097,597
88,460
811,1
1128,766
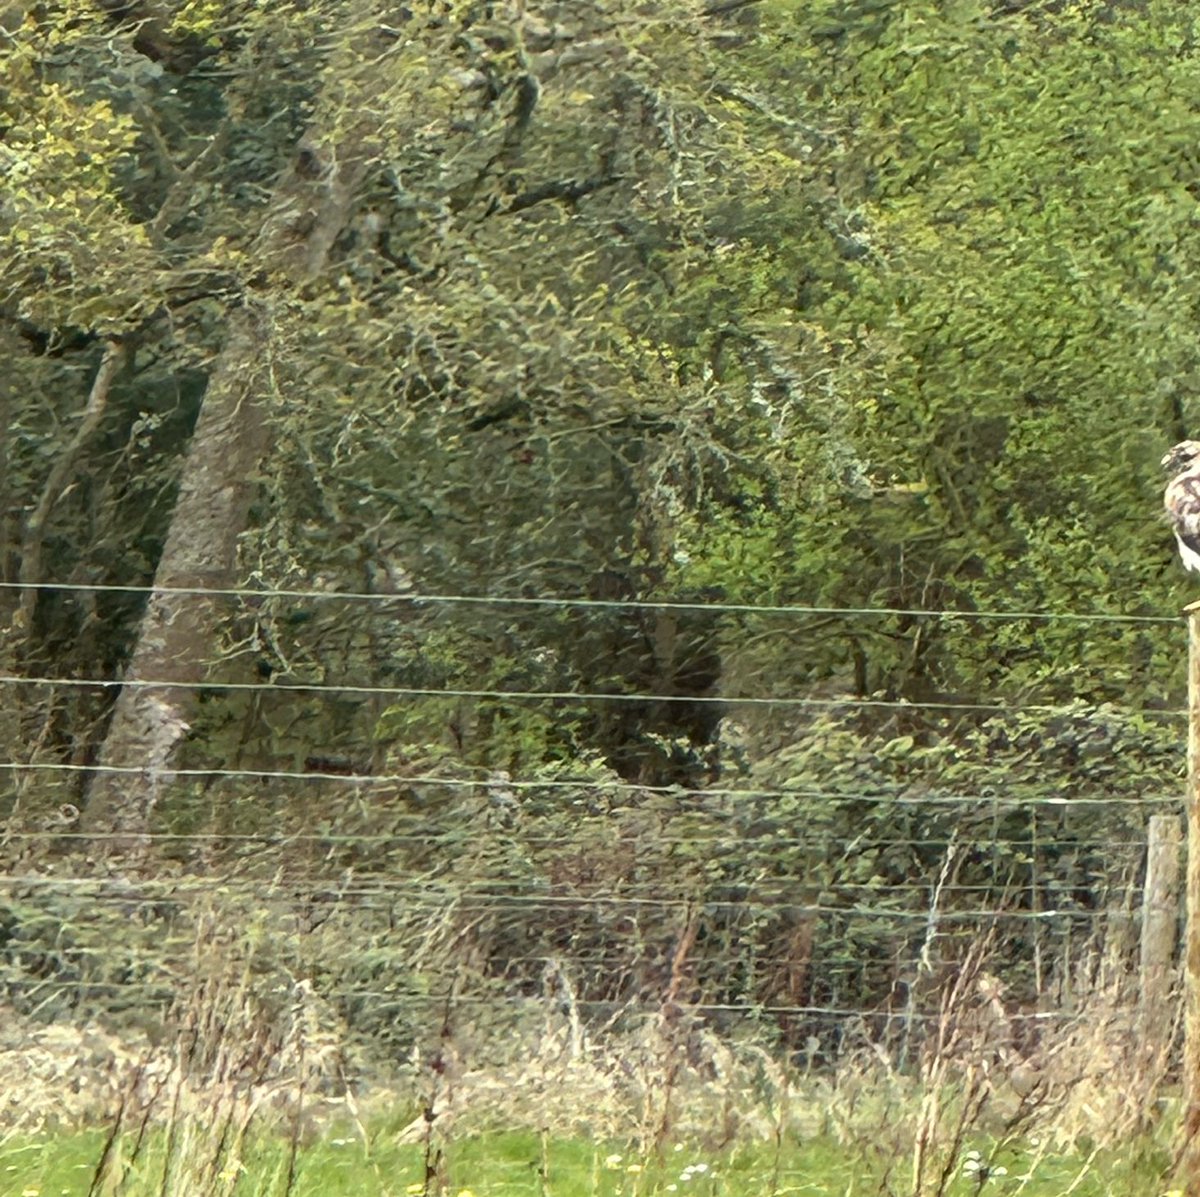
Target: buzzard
x,y
1182,499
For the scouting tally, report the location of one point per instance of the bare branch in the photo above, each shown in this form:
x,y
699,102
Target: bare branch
x,y
52,491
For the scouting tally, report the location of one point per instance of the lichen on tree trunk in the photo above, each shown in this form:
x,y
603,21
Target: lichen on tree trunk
x,y
217,487
174,638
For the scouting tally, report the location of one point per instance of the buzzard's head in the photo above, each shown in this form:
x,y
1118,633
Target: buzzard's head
x,y
1182,457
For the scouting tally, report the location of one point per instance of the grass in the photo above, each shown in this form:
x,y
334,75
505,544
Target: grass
x,y
516,1165
660,1106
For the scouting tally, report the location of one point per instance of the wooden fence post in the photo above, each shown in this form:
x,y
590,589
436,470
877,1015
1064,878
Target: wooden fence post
x,y
1160,927
1189,1150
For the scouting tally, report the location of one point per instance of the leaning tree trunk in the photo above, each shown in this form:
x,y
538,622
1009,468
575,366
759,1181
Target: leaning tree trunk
x,y
176,635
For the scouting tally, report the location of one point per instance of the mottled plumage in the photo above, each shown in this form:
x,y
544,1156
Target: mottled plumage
x,y
1182,499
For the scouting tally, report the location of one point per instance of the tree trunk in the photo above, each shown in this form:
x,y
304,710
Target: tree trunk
x,y
175,636
218,484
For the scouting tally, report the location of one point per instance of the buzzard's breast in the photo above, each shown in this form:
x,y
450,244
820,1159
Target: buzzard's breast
x,y
1187,554
1182,502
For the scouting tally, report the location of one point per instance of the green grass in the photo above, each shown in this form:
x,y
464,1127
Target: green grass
x,y
515,1165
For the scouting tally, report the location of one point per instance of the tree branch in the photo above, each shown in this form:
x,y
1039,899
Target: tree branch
x,y
722,10
52,491
568,190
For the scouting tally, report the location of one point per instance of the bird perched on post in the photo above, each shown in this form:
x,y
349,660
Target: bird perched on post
x,y
1182,499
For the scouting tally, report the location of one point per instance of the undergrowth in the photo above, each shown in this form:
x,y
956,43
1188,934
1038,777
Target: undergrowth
x,y
251,1085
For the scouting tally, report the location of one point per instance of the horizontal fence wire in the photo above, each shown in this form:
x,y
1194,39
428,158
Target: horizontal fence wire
x,y
866,794
904,965
442,999
568,601
452,838
645,1007
732,700
491,901
282,887
355,898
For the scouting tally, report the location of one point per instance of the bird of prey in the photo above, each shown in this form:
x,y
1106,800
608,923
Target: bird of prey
x,y
1182,499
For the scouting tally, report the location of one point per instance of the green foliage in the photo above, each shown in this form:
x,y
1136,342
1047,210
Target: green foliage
x,y
1015,271
868,309
881,308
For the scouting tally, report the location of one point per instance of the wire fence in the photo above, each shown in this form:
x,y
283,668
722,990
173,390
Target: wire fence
x,y
807,904
489,778
714,700
579,602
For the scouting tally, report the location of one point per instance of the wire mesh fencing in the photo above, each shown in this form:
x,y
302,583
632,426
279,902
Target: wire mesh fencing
x,y
454,895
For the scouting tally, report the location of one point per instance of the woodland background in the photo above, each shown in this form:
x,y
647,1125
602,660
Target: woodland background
x,y
682,484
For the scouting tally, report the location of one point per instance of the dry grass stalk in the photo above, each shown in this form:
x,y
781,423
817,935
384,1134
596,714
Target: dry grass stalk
x,y
241,1060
